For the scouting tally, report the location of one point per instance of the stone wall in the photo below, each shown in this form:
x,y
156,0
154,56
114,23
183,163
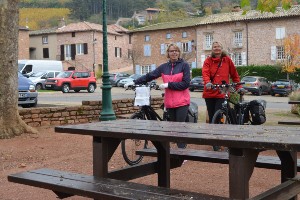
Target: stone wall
x,y
87,112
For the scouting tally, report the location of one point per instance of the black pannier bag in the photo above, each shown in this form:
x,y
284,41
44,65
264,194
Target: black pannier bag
x,y
257,111
192,115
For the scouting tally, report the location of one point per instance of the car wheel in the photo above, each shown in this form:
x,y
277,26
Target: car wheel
x,y
191,89
39,86
77,90
259,92
91,88
33,105
65,88
272,94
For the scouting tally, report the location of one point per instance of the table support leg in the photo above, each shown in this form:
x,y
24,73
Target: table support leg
x,y
289,166
241,166
163,159
103,149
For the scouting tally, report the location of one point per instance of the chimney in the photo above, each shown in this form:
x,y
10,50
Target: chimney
x,y
62,22
236,8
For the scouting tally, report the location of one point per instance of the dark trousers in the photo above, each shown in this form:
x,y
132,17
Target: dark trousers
x,y
178,115
212,105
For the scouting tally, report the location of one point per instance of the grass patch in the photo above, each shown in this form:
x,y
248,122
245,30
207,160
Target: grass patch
x,y
46,91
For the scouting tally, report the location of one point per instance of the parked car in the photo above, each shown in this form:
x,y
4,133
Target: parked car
x,y
133,77
196,83
283,87
28,96
114,78
72,80
256,85
39,78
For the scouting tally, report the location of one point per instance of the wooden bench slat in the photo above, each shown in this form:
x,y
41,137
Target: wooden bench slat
x,y
93,187
289,122
268,162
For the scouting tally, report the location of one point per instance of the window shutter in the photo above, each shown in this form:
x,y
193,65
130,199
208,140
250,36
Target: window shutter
x,y
85,48
73,51
153,67
273,52
189,46
194,65
62,52
137,69
162,49
244,58
120,52
202,59
116,52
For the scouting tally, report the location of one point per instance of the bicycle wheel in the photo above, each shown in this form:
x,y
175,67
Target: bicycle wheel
x,y
130,146
221,118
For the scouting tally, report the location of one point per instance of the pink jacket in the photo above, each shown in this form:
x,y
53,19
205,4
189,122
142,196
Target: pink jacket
x,y
175,98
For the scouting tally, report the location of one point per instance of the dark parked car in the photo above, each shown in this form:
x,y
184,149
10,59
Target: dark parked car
x,y
114,78
196,83
283,87
256,85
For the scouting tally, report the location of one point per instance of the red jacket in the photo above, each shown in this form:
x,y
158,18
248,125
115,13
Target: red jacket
x,y
226,69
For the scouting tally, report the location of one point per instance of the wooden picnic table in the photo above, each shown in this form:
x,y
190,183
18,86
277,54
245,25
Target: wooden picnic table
x,y
244,143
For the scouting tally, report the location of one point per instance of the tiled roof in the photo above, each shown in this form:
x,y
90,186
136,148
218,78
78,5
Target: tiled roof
x,y
43,31
80,27
224,17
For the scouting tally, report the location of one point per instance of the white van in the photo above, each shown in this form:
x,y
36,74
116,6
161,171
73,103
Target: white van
x,y
27,67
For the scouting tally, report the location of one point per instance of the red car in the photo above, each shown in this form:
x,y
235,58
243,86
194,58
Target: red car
x,y
72,80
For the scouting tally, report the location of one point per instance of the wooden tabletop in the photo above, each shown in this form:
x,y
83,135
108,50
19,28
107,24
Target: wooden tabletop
x,y
238,136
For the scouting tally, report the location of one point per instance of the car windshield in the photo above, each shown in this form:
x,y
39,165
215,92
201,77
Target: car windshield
x,y
197,79
37,74
248,79
134,76
281,82
64,74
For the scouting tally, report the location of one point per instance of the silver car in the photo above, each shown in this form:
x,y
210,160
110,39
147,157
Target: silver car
x,y
256,85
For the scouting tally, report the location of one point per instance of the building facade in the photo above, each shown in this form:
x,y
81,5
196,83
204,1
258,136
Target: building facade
x,y
23,43
253,38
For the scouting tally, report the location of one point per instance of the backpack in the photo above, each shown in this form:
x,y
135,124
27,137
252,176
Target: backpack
x,y
257,111
192,115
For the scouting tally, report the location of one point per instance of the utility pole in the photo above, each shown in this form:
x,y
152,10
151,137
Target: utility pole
x,y
107,112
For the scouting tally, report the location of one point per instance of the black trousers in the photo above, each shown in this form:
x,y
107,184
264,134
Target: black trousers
x,y
178,114
212,105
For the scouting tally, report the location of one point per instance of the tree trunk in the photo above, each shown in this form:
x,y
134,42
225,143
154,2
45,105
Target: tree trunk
x,y
10,122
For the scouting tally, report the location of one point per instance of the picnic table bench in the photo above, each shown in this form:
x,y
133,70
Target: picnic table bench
x,y
290,122
267,162
66,184
244,143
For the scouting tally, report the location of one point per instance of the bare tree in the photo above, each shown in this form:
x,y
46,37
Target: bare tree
x,y
11,123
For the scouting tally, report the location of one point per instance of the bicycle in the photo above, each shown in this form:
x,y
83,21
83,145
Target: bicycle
x,y
146,112
227,114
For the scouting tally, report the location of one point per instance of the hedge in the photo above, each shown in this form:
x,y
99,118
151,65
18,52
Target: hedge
x,y
271,72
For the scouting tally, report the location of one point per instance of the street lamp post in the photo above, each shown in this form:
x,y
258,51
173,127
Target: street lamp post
x,y
107,112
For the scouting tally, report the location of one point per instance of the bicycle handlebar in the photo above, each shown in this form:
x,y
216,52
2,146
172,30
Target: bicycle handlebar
x,y
227,85
132,87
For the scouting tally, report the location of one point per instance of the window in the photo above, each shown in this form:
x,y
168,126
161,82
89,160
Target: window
x,y
147,50
118,52
68,52
280,53
185,47
146,69
184,34
280,33
45,39
168,35
73,34
208,41
237,59
130,37
45,52
238,39
79,49
50,75
147,38
130,53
